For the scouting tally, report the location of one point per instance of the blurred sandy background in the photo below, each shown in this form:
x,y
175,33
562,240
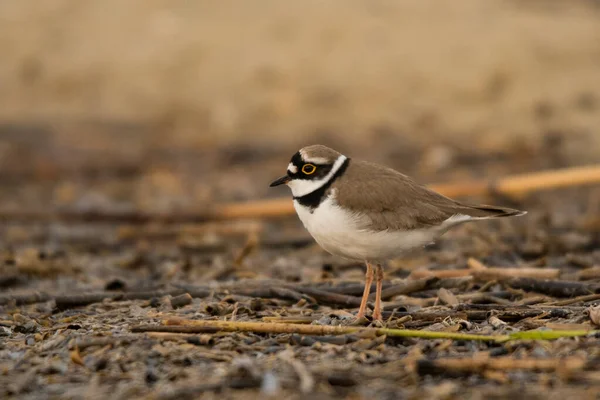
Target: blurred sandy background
x,y
171,95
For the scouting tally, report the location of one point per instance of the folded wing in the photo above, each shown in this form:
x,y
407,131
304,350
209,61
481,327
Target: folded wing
x,y
386,199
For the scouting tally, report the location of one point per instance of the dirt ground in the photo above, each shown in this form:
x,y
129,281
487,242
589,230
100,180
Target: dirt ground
x,y
127,108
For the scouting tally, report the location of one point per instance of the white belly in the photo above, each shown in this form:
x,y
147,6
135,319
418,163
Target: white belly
x,y
339,233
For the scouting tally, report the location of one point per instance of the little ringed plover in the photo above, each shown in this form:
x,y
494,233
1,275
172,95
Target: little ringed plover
x,y
370,213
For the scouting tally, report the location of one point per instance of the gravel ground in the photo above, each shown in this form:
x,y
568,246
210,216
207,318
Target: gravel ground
x,y
84,301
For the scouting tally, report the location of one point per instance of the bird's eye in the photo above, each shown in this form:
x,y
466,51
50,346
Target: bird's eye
x,y
309,169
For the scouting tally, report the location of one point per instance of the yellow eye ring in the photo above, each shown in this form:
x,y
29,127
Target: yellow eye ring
x,y
309,169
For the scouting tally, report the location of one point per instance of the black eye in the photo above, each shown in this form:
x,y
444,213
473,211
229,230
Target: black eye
x,y
309,169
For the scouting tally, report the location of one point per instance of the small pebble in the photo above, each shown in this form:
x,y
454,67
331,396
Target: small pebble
x,y
270,385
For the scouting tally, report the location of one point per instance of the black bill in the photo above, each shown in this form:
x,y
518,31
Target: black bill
x,y
280,181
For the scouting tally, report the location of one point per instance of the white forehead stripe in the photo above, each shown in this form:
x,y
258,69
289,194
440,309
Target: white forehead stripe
x,y
316,160
313,160
302,187
292,168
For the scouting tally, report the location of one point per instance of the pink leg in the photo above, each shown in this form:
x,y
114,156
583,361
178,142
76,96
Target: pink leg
x,y
368,282
379,279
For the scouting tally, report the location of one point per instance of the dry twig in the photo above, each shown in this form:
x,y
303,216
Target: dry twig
x,y
481,364
554,287
262,327
487,274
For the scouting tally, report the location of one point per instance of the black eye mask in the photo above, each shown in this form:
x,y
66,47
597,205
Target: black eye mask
x,y
321,169
314,198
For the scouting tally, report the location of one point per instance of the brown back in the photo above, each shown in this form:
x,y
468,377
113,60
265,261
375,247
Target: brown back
x,y
391,200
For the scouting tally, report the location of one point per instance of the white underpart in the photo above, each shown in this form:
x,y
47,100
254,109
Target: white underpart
x,y
302,187
341,233
292,169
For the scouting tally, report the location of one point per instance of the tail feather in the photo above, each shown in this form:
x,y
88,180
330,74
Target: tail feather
x,y
484,211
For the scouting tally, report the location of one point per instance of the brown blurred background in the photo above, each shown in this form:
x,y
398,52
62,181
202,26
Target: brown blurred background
x,y
160,105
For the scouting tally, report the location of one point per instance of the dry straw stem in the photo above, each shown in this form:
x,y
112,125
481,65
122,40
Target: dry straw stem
x,y
199,339
478,364
265,327
475,264
578,299
510,185
491,273
589,273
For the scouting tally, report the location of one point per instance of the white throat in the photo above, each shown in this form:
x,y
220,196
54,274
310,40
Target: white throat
x,y
302,187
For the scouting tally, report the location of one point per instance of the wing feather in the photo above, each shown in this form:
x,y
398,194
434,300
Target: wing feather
x,y
387,199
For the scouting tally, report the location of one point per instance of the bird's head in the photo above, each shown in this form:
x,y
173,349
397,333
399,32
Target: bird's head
x,y
311,168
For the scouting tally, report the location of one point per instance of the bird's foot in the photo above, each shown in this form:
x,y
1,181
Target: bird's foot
x,y
377,316
364,321
360,320
377,323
